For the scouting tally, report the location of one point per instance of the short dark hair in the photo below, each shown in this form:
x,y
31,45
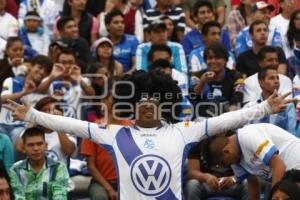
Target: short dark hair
x,y
262,73
32,132
44,101
264,50
218,50
292,175
63,21
255,23
288,187
208,25
160,64
109,16
11,40
158,47
200,4
216,145
44,61
66,51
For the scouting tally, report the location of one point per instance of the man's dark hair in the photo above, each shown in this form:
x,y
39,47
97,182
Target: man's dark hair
x,y
44,61
218,50
151,83
160,64
292,175
109,16
262,73
32,132
66,51
288,187
255,23
46,100
216,145
63,21
158,47
264,50
11,40
208,25
200,4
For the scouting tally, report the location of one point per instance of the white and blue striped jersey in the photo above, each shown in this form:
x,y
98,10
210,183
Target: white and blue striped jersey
x,y
258,143
149,161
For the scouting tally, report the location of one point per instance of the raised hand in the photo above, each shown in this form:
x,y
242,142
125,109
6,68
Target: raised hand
x,y
57,71
30,87
19,111
208,76
279,103
75,73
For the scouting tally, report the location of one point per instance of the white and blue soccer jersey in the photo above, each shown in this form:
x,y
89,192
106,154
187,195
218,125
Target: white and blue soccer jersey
x,y
244,42
149,161
197,63
258,143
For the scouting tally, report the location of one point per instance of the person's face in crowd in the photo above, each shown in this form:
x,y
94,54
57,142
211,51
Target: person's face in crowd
x,y
78,4
271,59
67,60
205,14
297,22
4,188
260,34
280,195
215,64
105,50
165,3
213,35
35,147
15,51
38,73
229,155
102,76
2,4
248,2
70,30
159,36
161,55
270,82
170,27
116,26
263,14
288,5
32,25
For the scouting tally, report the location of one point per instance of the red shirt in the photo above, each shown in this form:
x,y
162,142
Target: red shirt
x,y
12,8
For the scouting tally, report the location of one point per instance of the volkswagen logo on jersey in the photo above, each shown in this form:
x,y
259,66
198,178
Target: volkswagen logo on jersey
x,y
151,175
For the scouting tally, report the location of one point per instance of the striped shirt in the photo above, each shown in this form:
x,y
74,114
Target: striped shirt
x,y
176,14
51,182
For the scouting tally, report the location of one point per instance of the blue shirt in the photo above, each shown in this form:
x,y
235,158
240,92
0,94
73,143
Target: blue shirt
x,y
178,56
244,41
125,51
193,40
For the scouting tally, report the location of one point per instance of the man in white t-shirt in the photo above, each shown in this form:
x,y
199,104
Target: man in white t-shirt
x,y
263,150
9,24
267,56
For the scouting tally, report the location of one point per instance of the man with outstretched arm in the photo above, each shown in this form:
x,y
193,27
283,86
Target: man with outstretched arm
x,y
150,154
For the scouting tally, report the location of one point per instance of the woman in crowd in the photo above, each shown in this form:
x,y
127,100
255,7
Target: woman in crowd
x,y
172,29
103,49
294,26
12,64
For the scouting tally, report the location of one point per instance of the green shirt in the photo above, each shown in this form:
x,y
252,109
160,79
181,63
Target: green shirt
x,y
51,182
